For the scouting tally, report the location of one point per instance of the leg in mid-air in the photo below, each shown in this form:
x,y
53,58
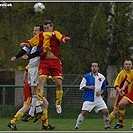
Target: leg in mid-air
x,y
59,94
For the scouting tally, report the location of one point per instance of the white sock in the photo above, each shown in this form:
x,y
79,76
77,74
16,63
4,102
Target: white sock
x,y
79,120
106,120
33,105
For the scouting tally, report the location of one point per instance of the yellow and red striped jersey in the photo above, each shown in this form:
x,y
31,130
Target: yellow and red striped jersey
x,y
47,40
122,77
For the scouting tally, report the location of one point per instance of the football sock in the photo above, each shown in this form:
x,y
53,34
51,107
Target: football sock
x,y
79,119
40,93
121,114
33,105
106,120
44,118
112,117
59,94
17,117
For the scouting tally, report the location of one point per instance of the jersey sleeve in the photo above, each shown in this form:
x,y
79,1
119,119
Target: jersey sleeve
x,y
26,49
104,85
34,41
59,36
120,79
83,83
20,53
33,55
129,78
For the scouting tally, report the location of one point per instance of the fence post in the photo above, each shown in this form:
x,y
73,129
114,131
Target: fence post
x,y
4,100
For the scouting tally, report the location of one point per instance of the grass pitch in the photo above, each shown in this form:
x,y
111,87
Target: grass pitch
x,y
63,124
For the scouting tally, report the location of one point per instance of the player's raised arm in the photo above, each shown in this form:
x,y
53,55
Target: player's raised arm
x,y
19,54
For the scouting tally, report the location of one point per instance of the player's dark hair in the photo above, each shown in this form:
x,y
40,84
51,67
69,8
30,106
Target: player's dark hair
x,y
41,27
48,22
95,61
127,59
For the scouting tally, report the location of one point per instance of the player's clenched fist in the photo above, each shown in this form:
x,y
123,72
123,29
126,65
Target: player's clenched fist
x,y
13,58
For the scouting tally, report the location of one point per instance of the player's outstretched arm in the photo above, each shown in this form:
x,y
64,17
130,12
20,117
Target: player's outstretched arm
x,y
30,56
19,54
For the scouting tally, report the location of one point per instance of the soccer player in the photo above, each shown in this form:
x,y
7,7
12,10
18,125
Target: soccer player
x,y
118,84
26,106
93,84
32,70
49,43
127,99
34,64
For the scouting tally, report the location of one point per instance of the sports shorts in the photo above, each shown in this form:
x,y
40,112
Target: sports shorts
x,y
96,105
33,77
117,100
129,96
52,66
27,93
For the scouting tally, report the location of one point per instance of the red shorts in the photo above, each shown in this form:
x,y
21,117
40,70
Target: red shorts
x,y
117,100
129,96
51,67
27,93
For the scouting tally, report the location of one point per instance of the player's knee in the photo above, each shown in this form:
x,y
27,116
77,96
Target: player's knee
x,y
115,111
121,106
59,86
58,83
105,111
84,112
45,102
42,80
25,108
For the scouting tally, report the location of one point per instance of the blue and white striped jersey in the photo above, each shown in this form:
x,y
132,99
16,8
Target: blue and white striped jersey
x,y
98,81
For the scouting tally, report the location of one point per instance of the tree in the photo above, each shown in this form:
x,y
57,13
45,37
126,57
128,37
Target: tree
x,y
98,31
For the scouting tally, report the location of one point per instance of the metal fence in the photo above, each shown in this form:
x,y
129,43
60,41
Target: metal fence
x,y
71,93
72,96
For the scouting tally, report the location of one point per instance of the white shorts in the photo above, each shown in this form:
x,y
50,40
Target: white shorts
x,y
97,105
33,77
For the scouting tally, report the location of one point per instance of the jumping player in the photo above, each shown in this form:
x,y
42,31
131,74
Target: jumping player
x,y
49,42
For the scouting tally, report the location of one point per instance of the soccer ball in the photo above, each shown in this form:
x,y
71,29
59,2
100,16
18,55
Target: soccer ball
x,y
39,7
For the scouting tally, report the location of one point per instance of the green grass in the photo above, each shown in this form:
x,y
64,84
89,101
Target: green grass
x,y
63,124
65,121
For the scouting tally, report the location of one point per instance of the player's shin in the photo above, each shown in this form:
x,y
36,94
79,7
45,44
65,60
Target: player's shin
x,y
17,117
40,93
106,120
112,116
59,94
44,118
79,120
121,114
33,105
